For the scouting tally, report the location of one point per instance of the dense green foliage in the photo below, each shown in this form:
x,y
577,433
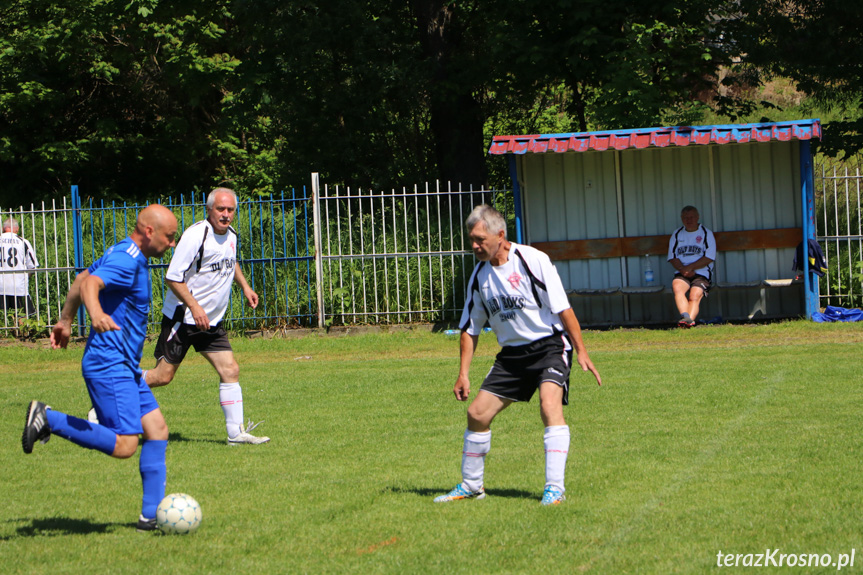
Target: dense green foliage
x,y
665,470
140,99
816,44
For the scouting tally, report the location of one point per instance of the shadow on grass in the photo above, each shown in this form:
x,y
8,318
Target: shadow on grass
x,y
56,526
435,491
177,436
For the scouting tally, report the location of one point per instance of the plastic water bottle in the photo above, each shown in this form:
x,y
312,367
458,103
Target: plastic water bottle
x,y
648,272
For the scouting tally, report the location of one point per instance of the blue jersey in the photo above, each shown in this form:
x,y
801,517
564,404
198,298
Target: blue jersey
x,y
126,298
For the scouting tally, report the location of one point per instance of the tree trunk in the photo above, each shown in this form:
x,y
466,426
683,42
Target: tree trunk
x,y
456,120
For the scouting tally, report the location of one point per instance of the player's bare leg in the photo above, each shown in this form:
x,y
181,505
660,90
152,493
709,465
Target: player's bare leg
x,y
162,374
231,398
695,296
477,443
154,426
483,410
556,441
679,287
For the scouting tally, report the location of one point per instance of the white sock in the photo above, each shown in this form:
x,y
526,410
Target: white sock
x,y
556,441
231,398
476,445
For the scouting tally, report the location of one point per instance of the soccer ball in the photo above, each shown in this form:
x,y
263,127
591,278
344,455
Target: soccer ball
x,y
178,513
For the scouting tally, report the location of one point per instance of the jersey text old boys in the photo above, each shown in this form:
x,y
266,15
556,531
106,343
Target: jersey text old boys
x,y
689,247
520,299
204,261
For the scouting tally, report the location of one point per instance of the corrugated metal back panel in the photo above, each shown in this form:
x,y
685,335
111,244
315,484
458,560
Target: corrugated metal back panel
x,y
656,185
573,197
734,187
757,187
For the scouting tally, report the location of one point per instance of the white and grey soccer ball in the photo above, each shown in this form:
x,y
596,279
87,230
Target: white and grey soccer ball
x,y
178,513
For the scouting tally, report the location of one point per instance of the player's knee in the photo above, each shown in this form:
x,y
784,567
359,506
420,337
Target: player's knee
x,y
477,417
231,372
156,378
125,447
157,432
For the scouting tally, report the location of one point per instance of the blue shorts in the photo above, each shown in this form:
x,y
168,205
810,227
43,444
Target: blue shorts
x,y
121,402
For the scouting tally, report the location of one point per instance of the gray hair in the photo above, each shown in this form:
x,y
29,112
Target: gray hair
x,y
687,209
10,224
492,219
211,198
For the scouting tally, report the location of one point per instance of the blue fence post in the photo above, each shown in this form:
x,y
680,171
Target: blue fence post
x,y
77,232
516,196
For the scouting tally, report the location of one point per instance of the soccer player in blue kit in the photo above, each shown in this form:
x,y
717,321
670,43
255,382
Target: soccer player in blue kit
x,y
116,292
517,290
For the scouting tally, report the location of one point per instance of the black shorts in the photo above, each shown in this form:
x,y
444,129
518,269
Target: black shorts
x,y
519,369
177,337
697,281
23,303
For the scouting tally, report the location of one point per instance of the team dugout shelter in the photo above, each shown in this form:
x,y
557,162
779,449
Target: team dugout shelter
x,y
603,205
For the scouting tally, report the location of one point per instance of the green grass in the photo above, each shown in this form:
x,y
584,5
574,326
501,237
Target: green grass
x,y
731,438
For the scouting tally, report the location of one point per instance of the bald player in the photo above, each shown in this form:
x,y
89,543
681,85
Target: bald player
x,y
116,292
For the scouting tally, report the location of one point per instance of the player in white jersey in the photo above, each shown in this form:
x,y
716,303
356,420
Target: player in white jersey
x,y
202,269
691,251
517,290
16,254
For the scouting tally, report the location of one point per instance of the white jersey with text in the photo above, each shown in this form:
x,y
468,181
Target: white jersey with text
x,y
520,299
689,247
16,254
204,261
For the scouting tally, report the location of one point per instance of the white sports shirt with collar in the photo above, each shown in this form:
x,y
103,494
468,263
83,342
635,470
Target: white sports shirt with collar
x,y
204,261
520,299
689,247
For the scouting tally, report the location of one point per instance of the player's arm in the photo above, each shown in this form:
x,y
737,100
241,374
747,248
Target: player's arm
x,y
62,330
673,259
99,320
573,328
467,346
250,294
181,290
689,270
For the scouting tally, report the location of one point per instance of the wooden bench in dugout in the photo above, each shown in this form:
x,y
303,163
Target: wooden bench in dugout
x,y
658,245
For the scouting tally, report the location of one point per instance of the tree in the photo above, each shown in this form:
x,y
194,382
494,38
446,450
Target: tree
x,y
121,98
140,99
339,84
623,64
817,44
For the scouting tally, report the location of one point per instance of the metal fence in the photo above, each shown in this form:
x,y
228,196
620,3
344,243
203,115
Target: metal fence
x,y
332,255
49,229
840,231
329,257
397,256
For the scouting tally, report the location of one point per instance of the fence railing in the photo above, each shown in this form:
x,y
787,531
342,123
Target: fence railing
x,y
397,256
839,228
49,229
382,257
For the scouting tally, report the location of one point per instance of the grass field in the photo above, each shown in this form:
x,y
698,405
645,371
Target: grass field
x,y
736,439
